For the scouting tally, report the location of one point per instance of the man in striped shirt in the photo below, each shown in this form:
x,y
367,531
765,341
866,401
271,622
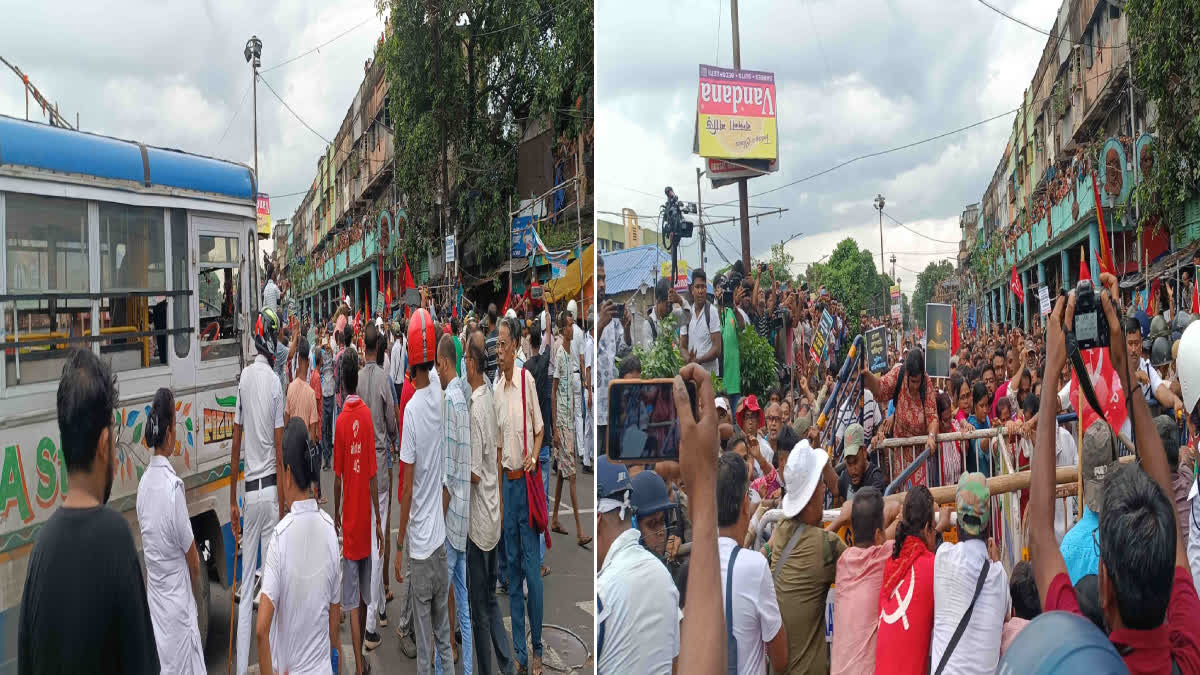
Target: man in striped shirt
x,y
456,489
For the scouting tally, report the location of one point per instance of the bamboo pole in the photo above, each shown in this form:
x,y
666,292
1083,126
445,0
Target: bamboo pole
x,y
1006,483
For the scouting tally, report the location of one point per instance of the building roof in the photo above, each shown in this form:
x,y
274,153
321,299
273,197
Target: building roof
x,y
69,152
627,269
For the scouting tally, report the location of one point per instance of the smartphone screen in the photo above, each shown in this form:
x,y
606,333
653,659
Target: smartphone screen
x,y
642,424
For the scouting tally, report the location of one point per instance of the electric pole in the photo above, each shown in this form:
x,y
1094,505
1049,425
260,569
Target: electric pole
x,y
253,54
879,202
743,192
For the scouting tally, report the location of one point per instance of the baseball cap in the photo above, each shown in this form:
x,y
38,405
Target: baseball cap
x,y
973,504
853,440
723,403
802,424
1096,461
801,475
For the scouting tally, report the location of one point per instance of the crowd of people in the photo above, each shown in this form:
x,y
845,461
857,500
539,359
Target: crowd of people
x,y
449,415
808,501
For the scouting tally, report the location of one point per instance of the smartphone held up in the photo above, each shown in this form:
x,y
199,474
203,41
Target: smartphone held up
x,y
644,425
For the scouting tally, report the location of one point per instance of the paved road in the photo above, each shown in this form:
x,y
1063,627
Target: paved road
x,y
568,600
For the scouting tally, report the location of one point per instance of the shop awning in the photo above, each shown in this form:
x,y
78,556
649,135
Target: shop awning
x,y
568,285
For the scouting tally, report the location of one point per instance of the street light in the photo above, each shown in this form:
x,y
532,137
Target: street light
x,y
879,202
253,54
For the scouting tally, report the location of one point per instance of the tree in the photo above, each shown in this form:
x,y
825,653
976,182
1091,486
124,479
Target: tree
x,y
905,312
1165,38
851,279
463,83
927,282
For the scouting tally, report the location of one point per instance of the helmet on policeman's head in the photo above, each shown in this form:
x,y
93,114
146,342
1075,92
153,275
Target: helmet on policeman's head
x,y
422,338
1061,642
266,327
649,494
612,480
1181,321
1159,327
1188,366
1160,352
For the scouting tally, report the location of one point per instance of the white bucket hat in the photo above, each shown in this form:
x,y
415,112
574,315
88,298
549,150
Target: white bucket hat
x,y
801,475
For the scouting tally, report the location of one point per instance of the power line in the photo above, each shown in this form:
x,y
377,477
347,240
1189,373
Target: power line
x,y
820,46
235,114
940,241
300,56
1061,38
289,108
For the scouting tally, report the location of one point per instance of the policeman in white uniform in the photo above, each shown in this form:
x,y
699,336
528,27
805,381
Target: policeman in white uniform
x,y
172,563
257,424
302,580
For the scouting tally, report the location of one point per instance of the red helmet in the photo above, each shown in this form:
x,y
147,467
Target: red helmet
x,y
422,338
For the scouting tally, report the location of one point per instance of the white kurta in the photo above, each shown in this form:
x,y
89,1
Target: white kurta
x,y
166,538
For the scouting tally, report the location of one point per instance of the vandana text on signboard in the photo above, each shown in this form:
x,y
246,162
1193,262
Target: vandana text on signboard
x,y
736,114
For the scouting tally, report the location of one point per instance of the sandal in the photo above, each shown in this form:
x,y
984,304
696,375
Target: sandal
x,y
584,541
557,529
545,570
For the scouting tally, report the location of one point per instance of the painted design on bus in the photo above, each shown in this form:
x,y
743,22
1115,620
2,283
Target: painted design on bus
x,y
132,454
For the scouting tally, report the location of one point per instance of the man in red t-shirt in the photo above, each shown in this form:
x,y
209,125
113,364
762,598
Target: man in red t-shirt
x,y
1146,589
354,470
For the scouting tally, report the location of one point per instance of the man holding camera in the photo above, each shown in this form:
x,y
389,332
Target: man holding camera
x,y
732,324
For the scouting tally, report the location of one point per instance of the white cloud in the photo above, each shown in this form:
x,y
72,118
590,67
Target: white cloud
x,y
854,77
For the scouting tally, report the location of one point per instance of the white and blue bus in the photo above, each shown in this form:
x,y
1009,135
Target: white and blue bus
x,y
146,256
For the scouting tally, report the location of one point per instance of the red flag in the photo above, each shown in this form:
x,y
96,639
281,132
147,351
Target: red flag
x,y
954,337
1084,269
1107,386
407,281
1104,255
1015,285
1196,297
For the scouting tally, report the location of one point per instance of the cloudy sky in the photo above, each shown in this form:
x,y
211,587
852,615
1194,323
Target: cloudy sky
x,y
852,77
172,74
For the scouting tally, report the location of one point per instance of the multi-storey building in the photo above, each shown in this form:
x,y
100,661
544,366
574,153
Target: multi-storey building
x,y
1077,121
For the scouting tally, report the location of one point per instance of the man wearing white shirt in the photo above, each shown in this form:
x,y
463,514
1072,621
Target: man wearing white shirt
x,y
302,581
700,339
956,571
748,593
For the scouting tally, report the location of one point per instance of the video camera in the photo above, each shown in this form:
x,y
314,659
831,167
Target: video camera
x,y
675,227
728,286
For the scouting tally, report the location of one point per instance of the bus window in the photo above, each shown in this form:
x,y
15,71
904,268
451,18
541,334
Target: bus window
x,y
220,297
132,259
181,276
46,246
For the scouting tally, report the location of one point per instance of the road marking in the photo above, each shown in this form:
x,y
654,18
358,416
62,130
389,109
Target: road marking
x,y
588,606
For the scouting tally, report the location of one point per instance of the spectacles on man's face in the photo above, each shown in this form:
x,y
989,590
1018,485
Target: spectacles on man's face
x,y
774,418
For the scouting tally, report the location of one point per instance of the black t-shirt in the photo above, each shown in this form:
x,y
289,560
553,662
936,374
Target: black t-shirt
x,y
539,367
84,607
872,477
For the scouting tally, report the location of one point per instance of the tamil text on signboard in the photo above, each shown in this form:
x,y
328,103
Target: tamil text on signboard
x,y
736,114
